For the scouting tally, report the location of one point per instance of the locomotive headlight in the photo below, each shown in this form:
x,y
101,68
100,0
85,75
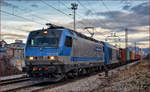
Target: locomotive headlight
x,y
51,58
31,58
45,32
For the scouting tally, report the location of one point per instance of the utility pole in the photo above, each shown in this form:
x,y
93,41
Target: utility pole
x,y
135,47
114,37
126,38
126,42
74,8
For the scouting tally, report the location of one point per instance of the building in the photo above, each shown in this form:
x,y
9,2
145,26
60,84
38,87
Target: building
x,y
3,48
2,43
16,53
16,49
17,44
13,51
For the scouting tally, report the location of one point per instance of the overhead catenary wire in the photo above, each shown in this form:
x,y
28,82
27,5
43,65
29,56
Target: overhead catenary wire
x,y
54,8
21,17
22,9
40,18
49,6
57,10
70,8
60,10
88,10
110,12
85,8
83,5
92,11
76,13
27,18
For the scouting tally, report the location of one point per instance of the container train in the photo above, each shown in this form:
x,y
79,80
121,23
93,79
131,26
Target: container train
x,y
56,52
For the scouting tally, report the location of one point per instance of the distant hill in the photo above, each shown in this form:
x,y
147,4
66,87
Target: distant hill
x,y
147,57
146,51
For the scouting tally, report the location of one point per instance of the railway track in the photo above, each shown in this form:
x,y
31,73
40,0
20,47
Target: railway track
x,y
15,80
48,85
30,86
20,85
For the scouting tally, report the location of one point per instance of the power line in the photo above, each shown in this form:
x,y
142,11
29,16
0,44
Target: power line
x,y
40,17
110,12
86,9
21,17
64,5
82,5
76,13
22,9
58,10
55,8
69,8
88,19
80,16
92,11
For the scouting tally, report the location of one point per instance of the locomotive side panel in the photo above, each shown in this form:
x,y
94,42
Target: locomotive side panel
x,y
84,51
111,54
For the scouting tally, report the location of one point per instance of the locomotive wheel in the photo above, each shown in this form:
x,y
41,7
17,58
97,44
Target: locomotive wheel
x,y
65,78
84,72
59,76
73,74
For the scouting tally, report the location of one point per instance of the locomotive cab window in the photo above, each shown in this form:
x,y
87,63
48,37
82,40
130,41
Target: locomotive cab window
x,y
48,39
68,41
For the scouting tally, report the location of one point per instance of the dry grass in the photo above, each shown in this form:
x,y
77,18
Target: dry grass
x,y
6,68
133,79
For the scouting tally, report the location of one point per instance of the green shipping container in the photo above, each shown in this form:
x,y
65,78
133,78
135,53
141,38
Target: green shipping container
x,y
128,55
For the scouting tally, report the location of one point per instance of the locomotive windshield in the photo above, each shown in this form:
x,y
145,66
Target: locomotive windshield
x,y
40,39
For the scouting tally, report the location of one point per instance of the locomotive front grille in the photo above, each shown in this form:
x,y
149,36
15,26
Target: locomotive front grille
x,y
41,58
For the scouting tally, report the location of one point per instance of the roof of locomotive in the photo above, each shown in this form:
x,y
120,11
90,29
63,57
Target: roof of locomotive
x,y
77,33
109,45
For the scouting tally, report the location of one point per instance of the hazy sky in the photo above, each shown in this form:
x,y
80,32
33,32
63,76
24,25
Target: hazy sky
x,y
19,17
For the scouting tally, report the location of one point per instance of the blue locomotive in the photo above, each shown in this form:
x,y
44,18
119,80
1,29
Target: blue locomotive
x,y
57,52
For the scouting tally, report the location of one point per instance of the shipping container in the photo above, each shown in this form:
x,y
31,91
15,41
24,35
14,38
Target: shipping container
x,y
128,55
122,55
133,56
137,56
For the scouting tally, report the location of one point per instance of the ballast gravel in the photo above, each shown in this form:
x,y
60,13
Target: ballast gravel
x,y
93,83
